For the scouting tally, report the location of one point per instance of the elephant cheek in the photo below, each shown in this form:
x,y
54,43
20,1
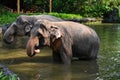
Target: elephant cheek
x,y
32,46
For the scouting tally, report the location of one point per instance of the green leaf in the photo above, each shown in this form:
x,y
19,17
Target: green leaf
x,y
13,77
1,73
5,77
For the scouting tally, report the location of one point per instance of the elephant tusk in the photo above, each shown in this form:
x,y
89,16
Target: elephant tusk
x,y
37,50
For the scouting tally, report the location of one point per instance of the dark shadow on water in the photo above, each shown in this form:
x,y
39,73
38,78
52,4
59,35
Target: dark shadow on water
x,y
37,59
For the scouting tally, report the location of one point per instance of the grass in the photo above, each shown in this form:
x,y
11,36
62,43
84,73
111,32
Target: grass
x,y
66,16
8,17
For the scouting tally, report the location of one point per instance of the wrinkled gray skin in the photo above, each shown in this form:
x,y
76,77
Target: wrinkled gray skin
x,y
4,28
67,39
23,25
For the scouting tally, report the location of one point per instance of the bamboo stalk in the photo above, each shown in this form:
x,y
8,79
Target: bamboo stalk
x,y
50,6
18,6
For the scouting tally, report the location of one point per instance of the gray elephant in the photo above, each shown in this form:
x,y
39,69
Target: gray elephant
x,y
23,25
67,39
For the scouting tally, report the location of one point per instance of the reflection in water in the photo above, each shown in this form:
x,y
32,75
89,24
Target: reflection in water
x,y
41,67
79,70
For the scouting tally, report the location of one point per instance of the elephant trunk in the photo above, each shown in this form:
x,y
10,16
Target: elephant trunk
x,y
32,46
9,35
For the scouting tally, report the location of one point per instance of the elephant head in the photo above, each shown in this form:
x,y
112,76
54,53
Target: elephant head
x,y
23,25
18,28
42,34
9,37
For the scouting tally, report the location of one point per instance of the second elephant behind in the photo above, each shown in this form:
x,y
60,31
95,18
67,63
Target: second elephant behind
x,y
67,39
23,25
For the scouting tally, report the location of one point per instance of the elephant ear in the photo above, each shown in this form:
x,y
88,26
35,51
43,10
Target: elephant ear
x,y
28,27
55,33
23,20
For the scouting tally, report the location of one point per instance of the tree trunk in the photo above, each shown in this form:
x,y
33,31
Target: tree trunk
x,y
50,6
18,6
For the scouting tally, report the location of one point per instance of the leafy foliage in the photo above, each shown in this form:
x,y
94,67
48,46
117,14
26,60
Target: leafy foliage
x,y
86,8
6,16
36,5
6,74
62,8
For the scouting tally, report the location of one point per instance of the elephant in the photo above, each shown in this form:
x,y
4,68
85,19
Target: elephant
x,y
23,25
67,39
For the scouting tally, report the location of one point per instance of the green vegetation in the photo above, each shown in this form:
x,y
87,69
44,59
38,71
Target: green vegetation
x,y
119,14
7,77
61,8
86,8
60,15
66,16
5,74
7,17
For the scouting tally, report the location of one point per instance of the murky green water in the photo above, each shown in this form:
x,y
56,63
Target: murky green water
x,y
41,67
109,54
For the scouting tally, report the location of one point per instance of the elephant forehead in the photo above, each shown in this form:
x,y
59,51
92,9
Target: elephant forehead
x,y
19,21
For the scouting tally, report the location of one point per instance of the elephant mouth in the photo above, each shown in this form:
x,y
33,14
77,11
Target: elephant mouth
x,y
33,47
36,50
